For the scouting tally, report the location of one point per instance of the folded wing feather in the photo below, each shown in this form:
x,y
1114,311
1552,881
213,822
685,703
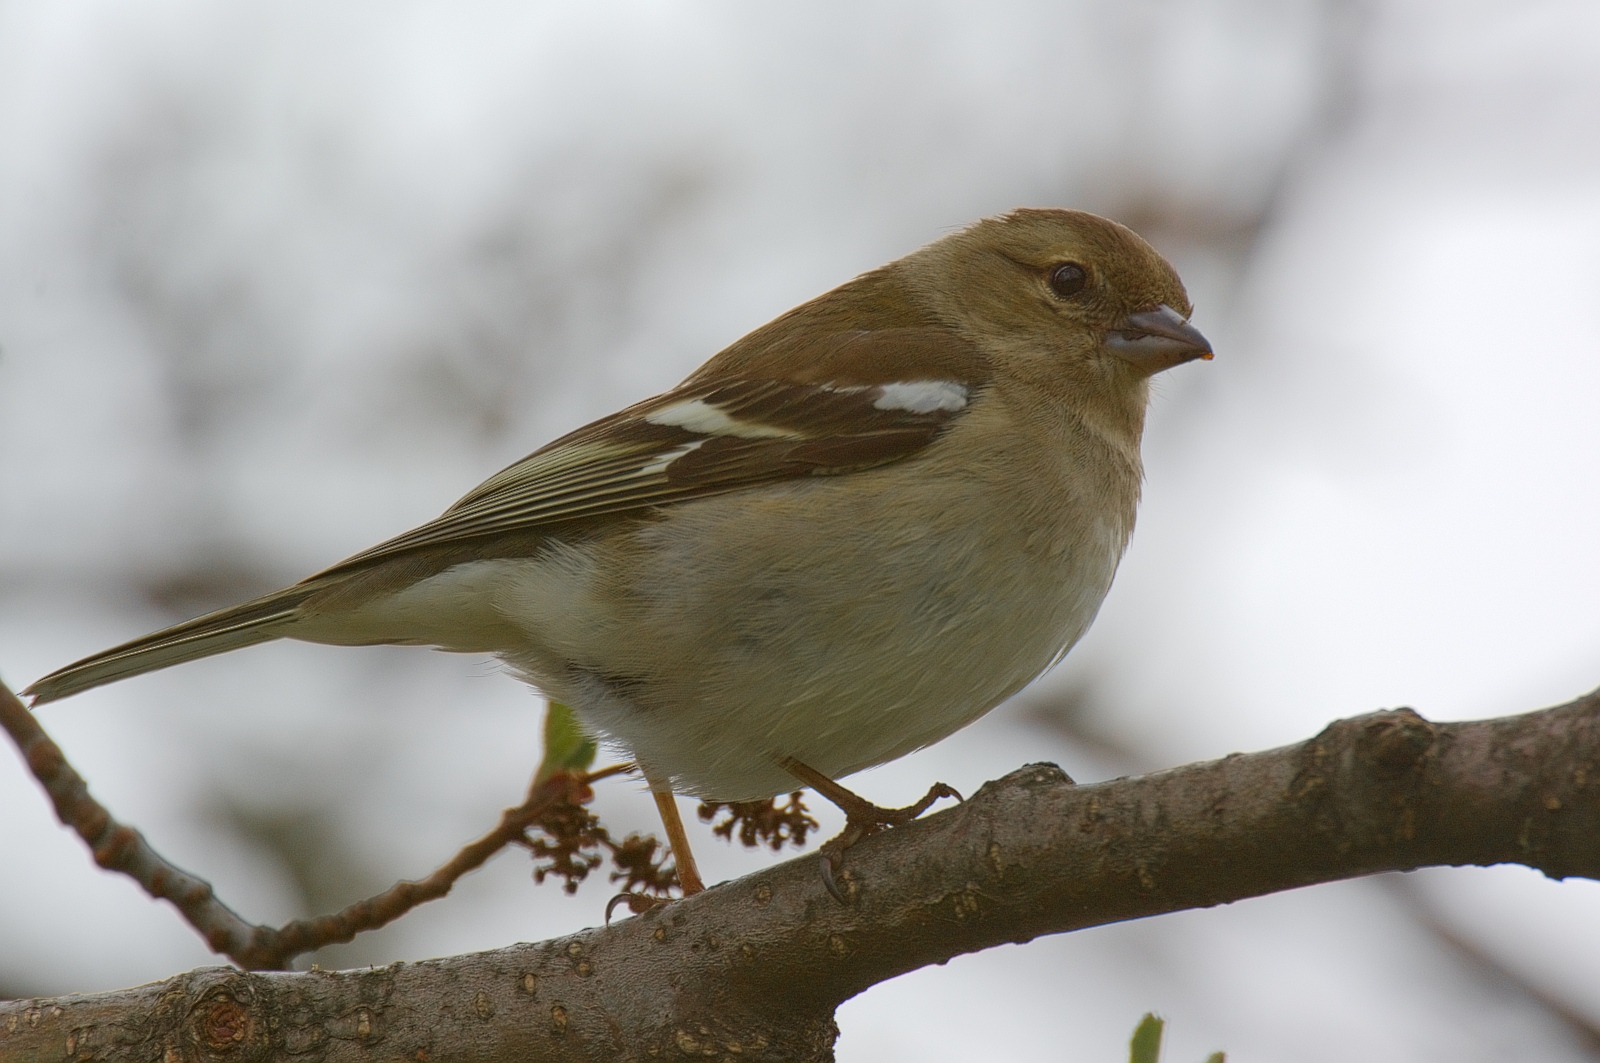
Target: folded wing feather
x,y
704,438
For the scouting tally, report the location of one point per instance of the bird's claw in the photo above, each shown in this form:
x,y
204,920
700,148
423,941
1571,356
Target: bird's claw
x,y
638,903
830,863
935,792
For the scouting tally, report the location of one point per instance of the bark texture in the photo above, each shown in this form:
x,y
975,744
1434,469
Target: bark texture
x,y
754,969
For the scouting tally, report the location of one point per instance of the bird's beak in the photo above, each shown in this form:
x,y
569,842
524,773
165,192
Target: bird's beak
x,y
1153,340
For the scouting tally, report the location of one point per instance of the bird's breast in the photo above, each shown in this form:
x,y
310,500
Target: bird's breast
x,y
841,620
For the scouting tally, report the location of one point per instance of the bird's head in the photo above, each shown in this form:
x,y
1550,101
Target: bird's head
x,y
1085,298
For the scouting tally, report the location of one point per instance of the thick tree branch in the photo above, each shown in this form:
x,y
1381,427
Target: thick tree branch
x,y
755,968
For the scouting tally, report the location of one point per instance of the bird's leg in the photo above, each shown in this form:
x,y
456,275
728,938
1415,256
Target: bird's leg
x,y
862,817
678,842
678,845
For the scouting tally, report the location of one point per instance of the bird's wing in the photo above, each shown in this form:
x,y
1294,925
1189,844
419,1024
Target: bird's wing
x,y
706,437
852,401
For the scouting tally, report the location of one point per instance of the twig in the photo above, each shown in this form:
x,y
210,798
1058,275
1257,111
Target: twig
x,y
117,847
271,949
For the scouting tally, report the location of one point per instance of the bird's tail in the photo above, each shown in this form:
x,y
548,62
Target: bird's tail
x,y
261,620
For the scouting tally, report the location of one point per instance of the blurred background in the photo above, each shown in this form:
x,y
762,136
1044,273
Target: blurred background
x,y
281,278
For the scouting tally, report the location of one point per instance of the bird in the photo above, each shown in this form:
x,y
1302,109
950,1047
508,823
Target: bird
x,y
848,534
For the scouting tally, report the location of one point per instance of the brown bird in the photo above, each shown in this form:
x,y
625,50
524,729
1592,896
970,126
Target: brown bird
x,y
852,532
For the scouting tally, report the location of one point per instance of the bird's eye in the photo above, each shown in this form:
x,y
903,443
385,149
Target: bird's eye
x,y
1068,279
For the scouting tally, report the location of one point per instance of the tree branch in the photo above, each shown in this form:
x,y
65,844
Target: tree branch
x,y
553,800
756,967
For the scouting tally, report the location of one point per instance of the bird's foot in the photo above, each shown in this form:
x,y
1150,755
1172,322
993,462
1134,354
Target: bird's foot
x,y
862,818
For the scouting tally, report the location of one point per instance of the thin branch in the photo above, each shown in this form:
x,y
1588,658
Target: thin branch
x,y
117,847
755,968
271,950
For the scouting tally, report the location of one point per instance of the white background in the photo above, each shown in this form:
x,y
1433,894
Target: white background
x,y
279,279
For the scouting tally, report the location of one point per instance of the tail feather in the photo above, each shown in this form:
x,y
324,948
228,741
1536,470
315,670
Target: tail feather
x,y
261,620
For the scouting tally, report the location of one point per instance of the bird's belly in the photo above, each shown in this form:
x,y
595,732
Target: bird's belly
x,y
708,661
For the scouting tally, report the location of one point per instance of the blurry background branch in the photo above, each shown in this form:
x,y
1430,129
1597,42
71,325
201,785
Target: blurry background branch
x,y
757,967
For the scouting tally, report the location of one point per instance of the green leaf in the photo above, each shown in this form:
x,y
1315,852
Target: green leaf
x,y
1146,1044
1217,1057
566,747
